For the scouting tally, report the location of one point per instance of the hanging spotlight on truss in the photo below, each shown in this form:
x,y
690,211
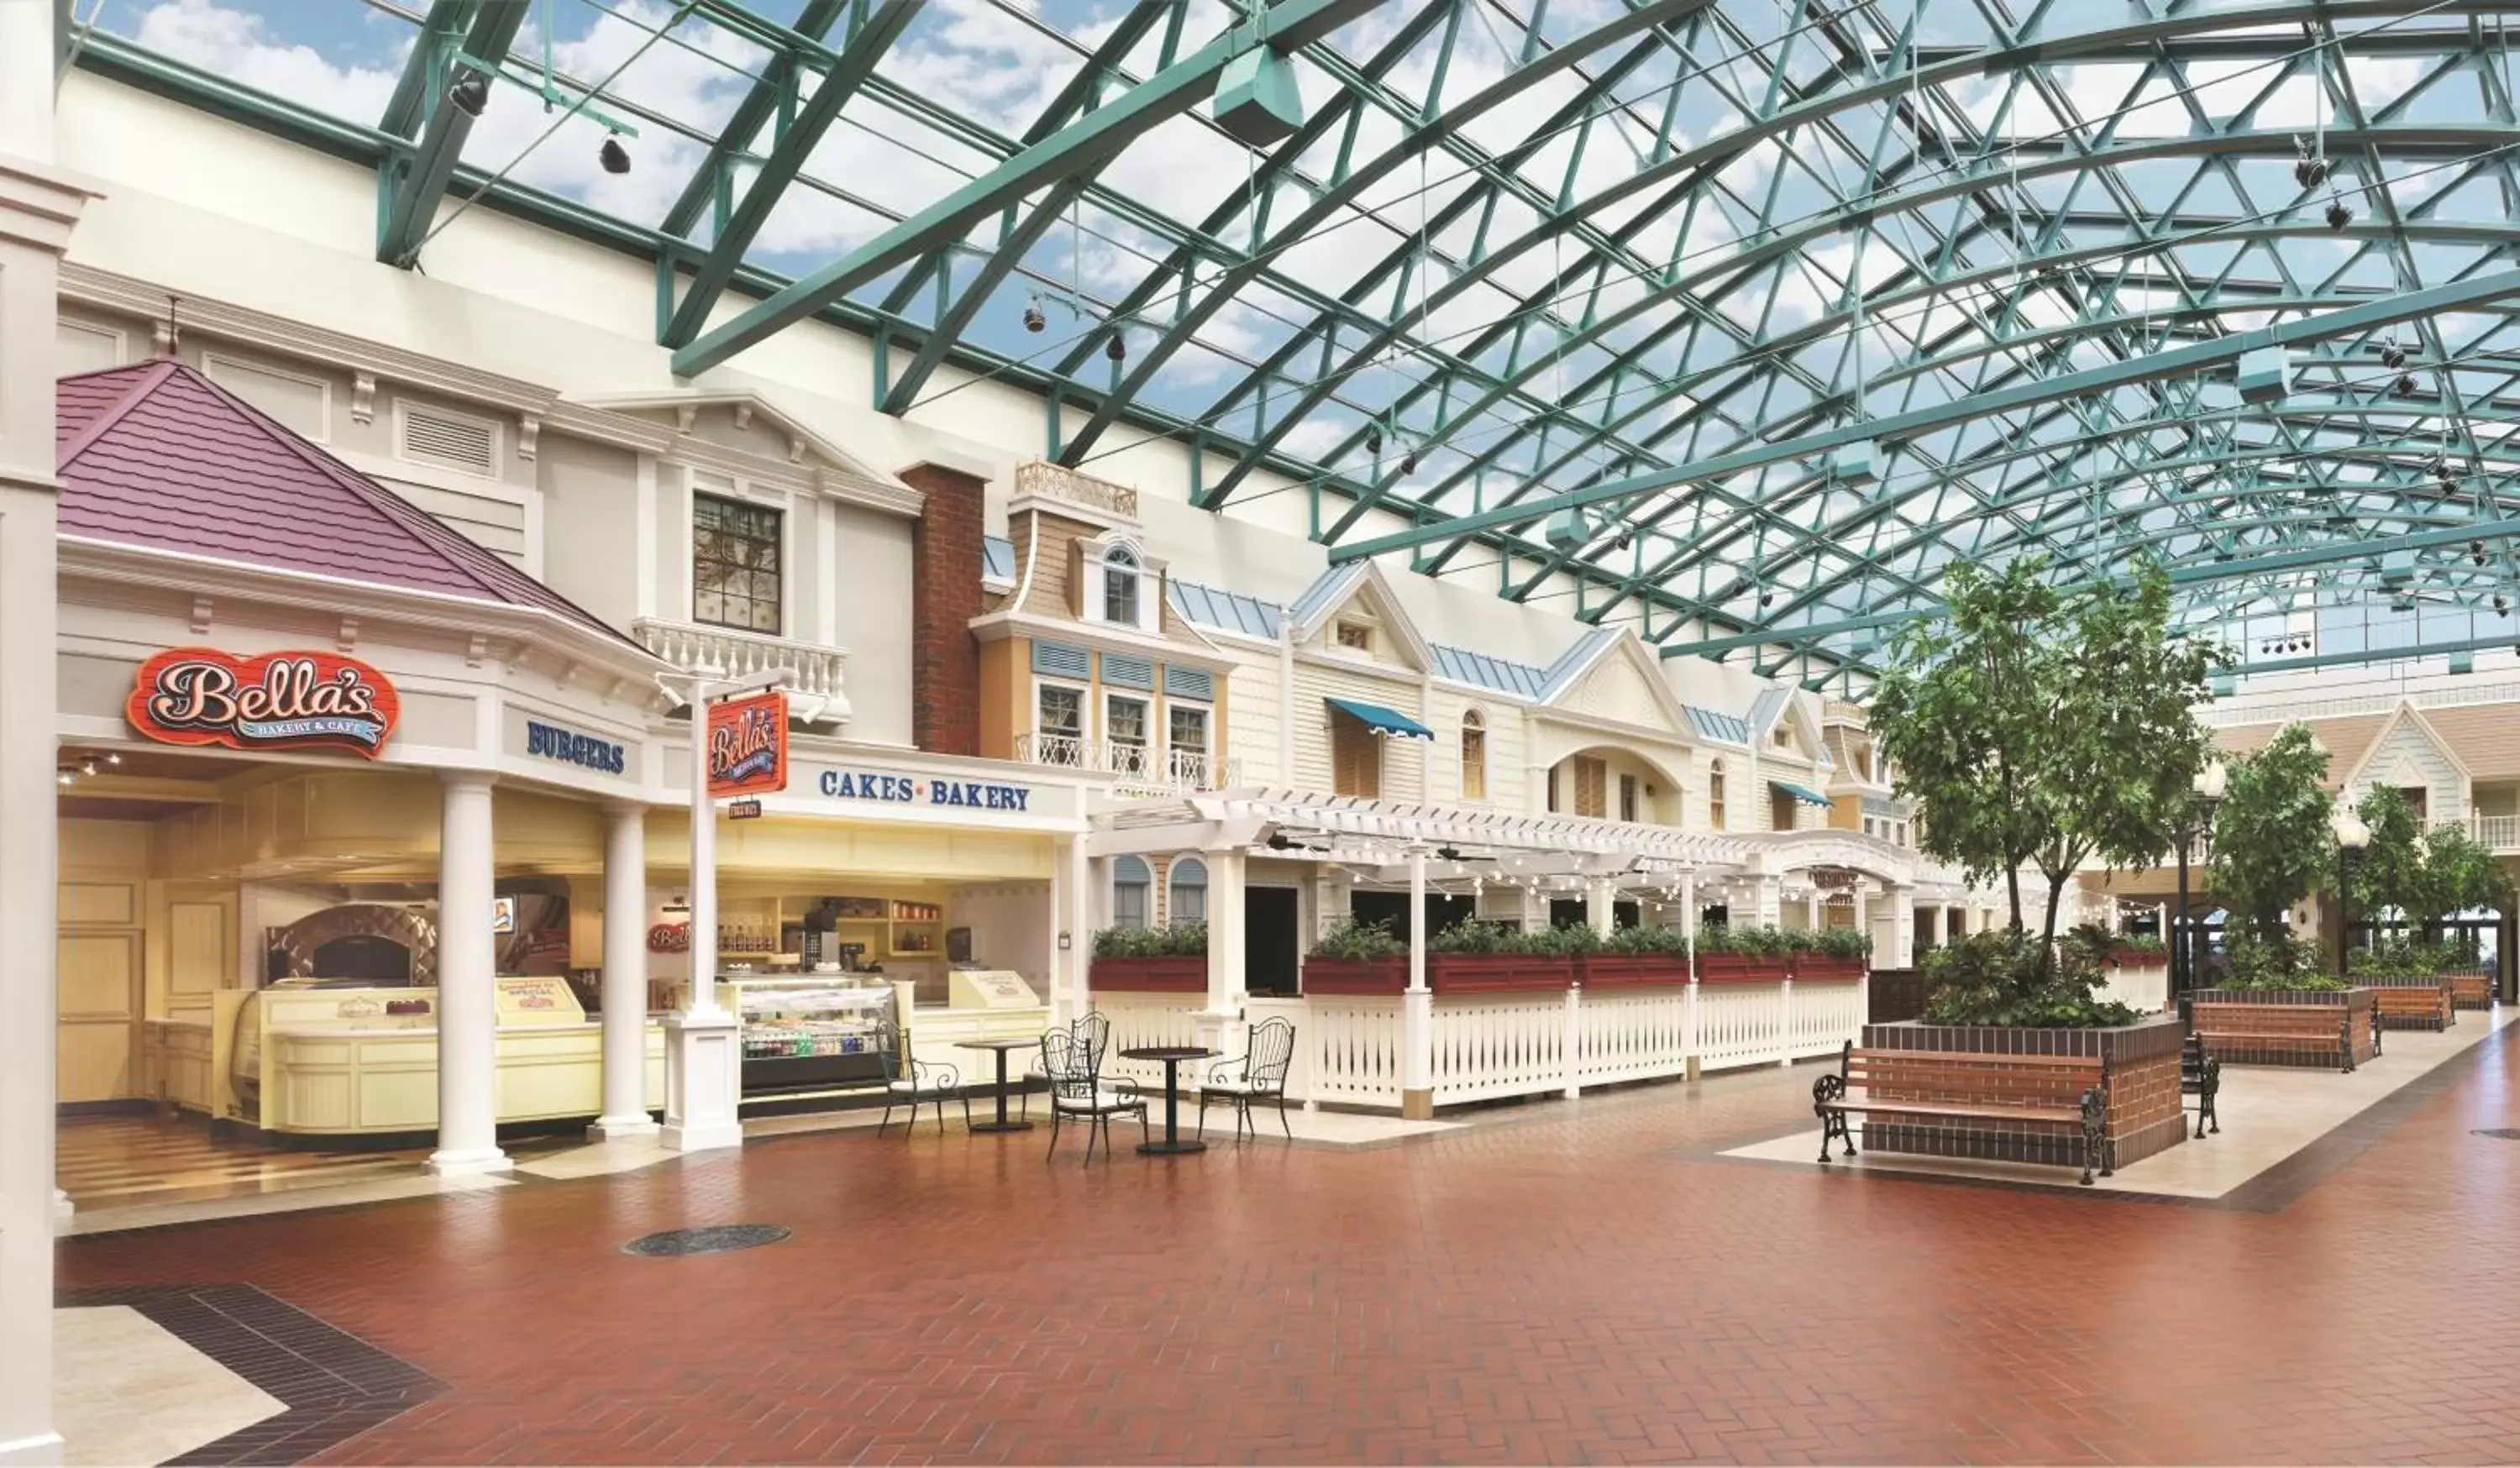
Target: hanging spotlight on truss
x,y
2311,169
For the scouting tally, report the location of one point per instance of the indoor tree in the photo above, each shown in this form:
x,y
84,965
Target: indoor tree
x,y
2391,874
2272,843
2035,727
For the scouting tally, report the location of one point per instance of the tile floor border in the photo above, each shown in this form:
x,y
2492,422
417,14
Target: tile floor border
x,y
334,1384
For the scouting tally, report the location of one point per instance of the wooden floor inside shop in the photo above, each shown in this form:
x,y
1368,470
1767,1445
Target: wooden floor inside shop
x,y
129,1159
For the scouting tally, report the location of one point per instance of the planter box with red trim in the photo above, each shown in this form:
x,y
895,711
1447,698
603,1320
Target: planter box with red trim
x,y
1497,973
1743,968
1355,975
1630,970
1178,975
1823,967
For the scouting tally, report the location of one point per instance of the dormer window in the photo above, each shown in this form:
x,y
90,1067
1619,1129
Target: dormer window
x,y
1356,637
1120,586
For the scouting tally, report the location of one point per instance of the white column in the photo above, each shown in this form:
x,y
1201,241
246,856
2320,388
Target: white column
x,y
1863,906
1079,923
703,1043
1055,976
1812,909
1598,903
1417,1006
626,975
1902,917
1688,906
37,210
1226,974
468,973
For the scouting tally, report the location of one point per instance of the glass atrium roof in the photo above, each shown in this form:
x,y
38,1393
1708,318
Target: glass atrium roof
x,y
1740,320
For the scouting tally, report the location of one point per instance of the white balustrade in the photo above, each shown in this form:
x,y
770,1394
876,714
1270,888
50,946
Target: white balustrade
x,y
1055,481
1353,1050
1826,1014
1507,1046
1633,1035
1137,768
820,671
1741,1024
1144,1020
2498,834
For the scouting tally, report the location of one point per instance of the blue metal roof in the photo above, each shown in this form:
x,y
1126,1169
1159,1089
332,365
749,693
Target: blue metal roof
x,y
1770,703
997,558
1222,610
1728,729
1327,591
1572,662
1477,669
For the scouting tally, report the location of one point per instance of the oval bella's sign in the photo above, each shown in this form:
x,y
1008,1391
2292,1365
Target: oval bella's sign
x,y
278,700
747,750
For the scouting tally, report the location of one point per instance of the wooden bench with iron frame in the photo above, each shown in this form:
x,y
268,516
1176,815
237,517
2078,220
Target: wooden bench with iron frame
x,y
2014,1087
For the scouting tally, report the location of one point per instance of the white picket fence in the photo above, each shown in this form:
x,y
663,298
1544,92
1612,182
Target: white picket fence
x,y
1348,1049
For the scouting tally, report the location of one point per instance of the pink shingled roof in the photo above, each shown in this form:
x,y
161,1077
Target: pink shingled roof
x,y
158,455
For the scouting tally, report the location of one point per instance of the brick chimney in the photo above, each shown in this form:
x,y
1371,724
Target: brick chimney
x,y
944,597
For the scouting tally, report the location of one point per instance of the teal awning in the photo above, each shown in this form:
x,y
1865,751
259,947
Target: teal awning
x,y
1807,797
1382,721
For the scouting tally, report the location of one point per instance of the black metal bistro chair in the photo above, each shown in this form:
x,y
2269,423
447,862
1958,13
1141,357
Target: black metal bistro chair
x,y
1258,1074
909,1081
1095,1029
1078,1092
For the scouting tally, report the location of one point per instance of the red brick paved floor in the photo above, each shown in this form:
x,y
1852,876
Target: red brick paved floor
x,y
1575,1285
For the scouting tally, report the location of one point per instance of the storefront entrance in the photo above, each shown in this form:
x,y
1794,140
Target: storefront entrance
x,y
1272,939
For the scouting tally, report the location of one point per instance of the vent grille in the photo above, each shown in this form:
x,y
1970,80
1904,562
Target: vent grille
x,y
1190,682
467,445
1060,660
1128,672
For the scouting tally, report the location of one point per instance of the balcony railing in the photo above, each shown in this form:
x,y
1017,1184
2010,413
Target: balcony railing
x,y
2496,832
1060,482
1135,769
820,671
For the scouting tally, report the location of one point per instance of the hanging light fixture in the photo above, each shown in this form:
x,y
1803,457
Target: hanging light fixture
x,y
1034,318
2406,385
1116,348
2391,355
614,157
1374,442
470,92
2310,170
2338,216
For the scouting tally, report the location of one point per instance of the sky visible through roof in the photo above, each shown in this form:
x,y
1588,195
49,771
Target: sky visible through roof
x,y
1645,259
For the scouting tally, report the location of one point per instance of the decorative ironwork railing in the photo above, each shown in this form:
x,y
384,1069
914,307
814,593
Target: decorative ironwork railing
x,y
1059,483
1135,769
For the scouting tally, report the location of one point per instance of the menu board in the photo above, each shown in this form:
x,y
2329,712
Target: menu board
x,y
528,1002
992,988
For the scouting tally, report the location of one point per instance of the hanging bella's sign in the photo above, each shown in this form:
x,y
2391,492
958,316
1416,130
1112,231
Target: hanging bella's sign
x,y
278,700
747,751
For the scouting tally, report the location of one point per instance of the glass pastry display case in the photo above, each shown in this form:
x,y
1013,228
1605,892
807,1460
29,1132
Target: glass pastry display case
x,y
808,1034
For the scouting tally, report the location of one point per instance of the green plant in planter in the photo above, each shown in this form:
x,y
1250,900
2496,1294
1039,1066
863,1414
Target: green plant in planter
x,y
1182,940
1998,978
1348,938
1475,937
1645,940
1837,942
2280,963
1555,942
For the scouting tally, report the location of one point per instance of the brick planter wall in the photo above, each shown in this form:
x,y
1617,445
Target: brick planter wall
x,y
2144,1114
1150,975
2472,991
2311,1014
2422,1003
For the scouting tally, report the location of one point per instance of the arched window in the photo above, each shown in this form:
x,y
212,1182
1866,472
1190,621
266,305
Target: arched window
x,y
1190,891
1715,794
1474,757
1131,885
1120,586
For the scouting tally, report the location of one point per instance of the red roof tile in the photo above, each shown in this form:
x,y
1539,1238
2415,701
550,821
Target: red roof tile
x,y
158,455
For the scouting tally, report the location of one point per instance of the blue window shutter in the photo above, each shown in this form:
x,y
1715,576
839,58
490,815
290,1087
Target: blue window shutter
x,y
1060,660
1123,670
1190,682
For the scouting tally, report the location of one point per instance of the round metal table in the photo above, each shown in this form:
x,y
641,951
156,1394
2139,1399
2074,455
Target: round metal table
x,y
1172,1055
1002,1123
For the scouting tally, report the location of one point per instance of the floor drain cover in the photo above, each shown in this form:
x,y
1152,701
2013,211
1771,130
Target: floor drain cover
x,y
2504,1133
673,1243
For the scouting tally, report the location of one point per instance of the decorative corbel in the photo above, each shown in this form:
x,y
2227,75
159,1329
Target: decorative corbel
x,y
687,416
349,641
164,336
529,432
795,448
744,414
363,397
569,670
477,651
200,616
